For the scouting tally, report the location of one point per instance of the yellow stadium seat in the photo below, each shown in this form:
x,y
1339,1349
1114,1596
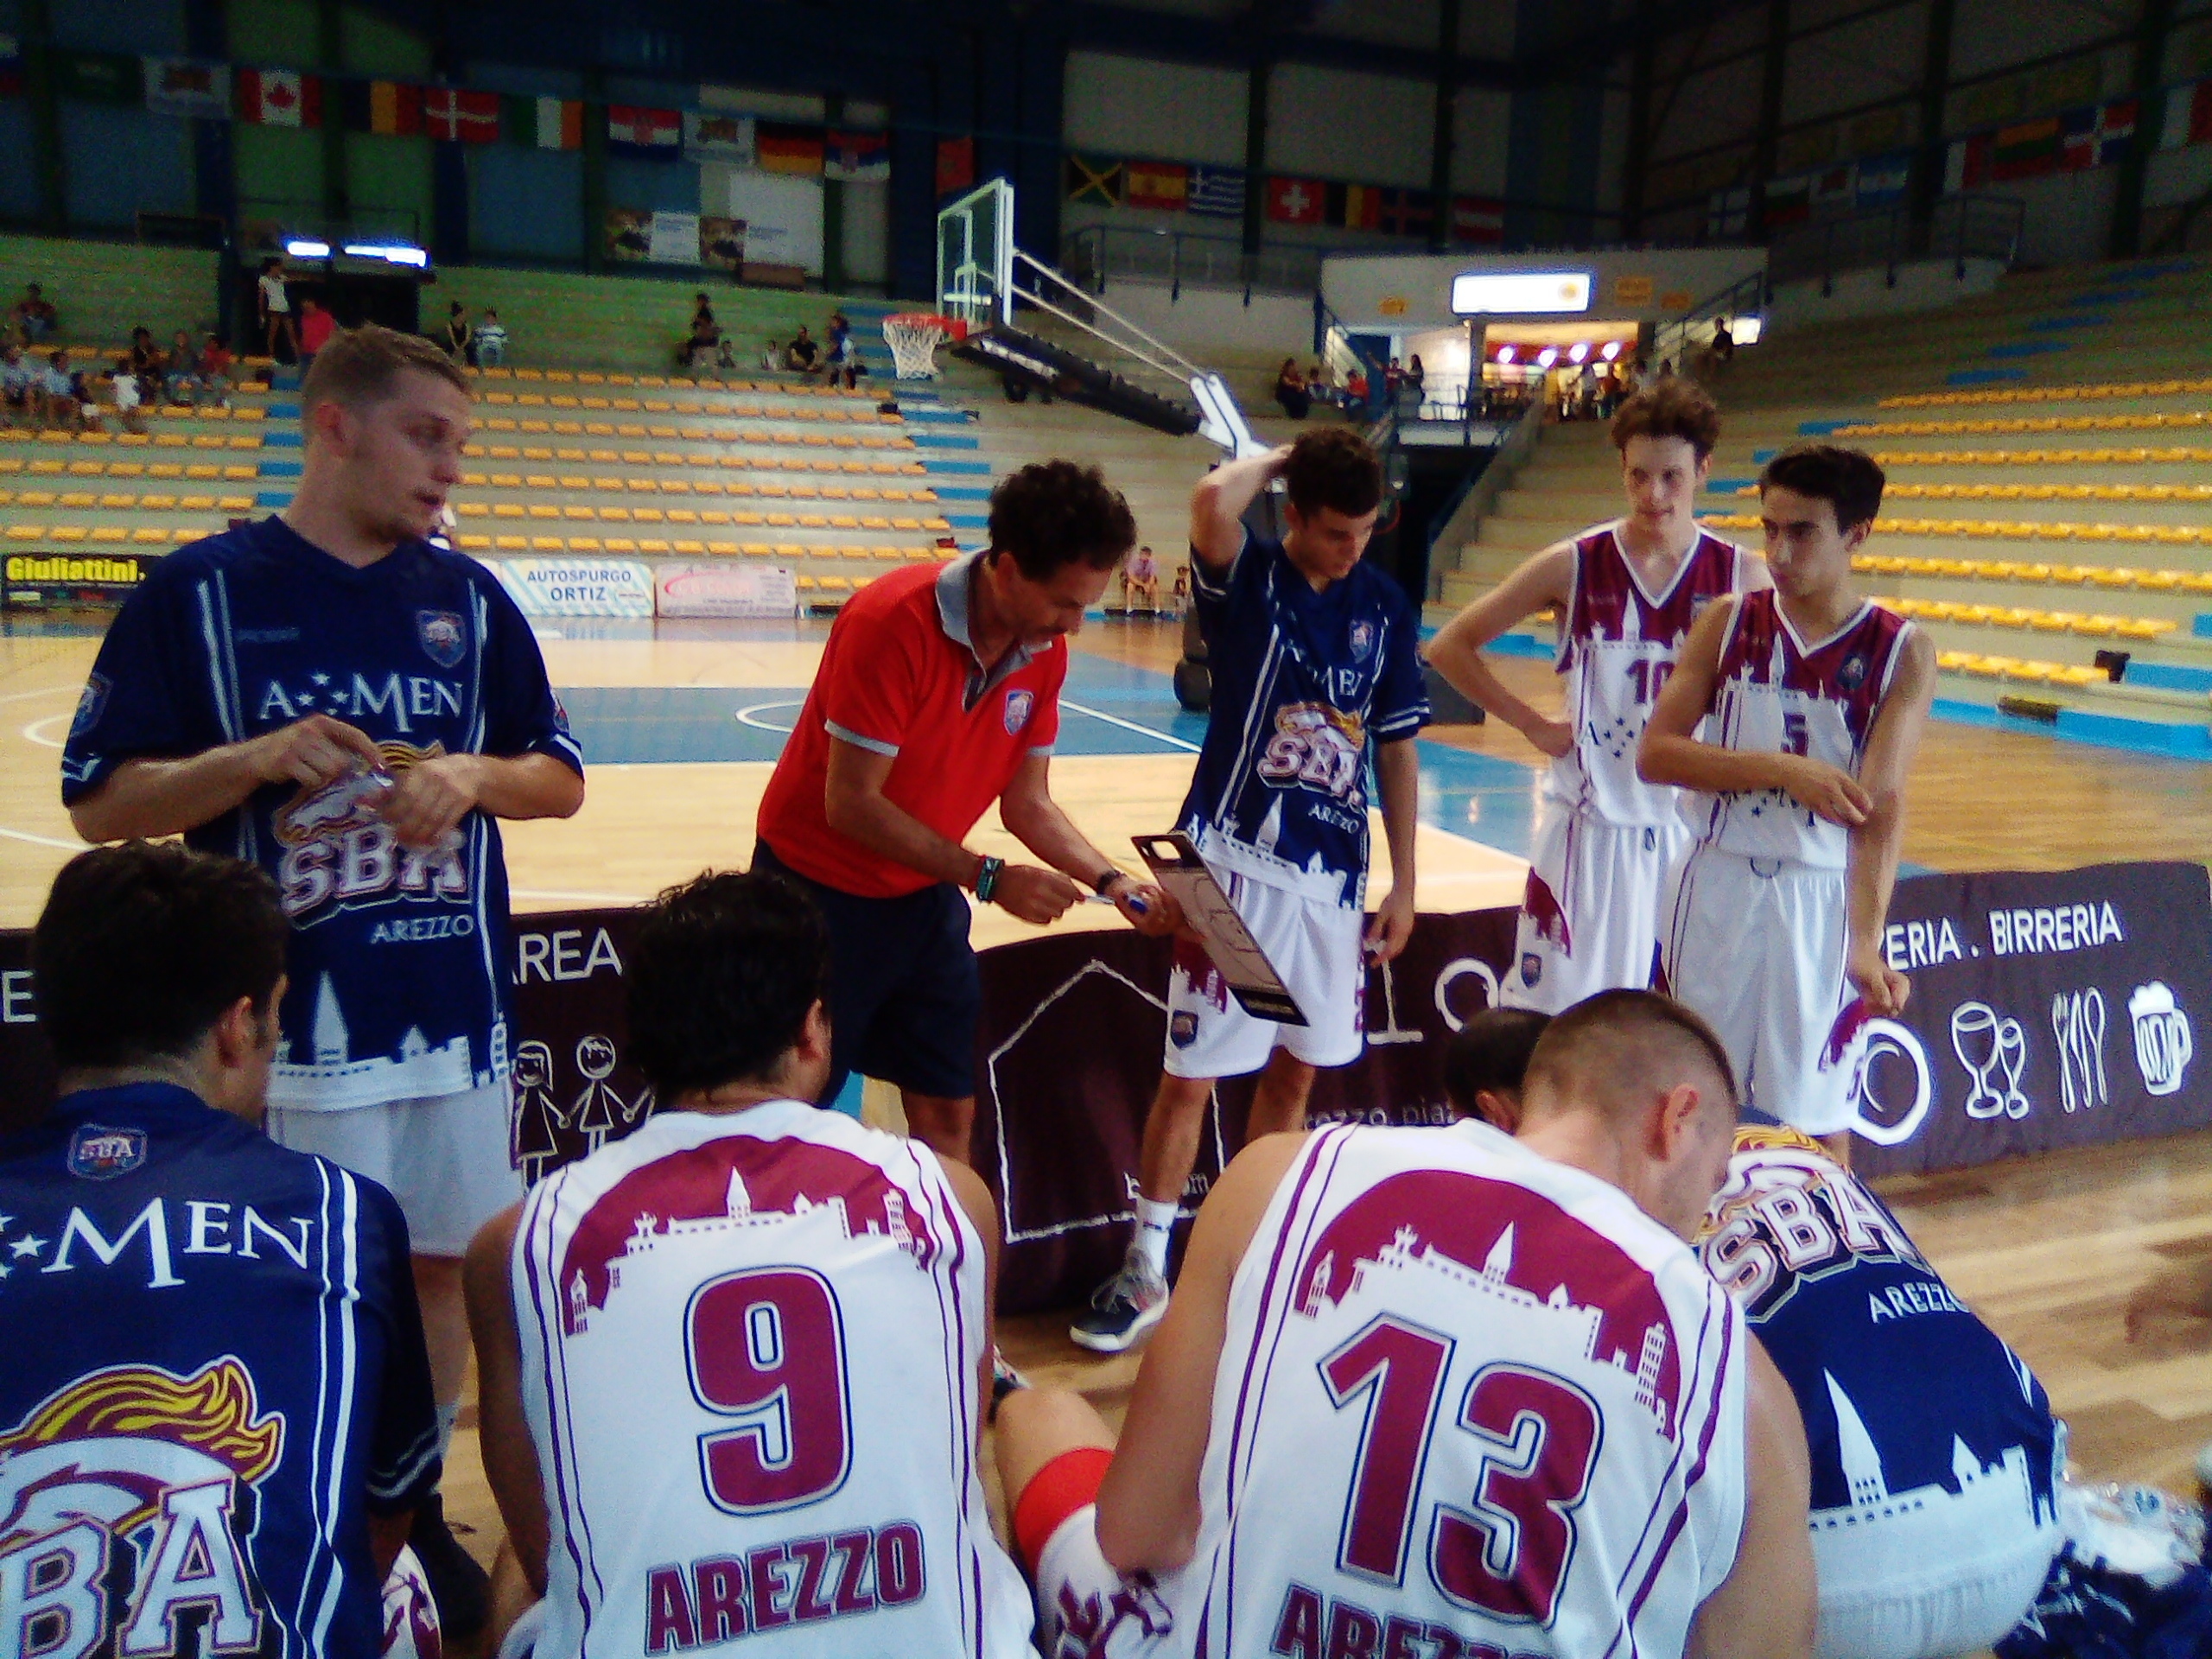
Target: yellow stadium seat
x,y
2050,621
148,534
2015,670
26,532
2145,627
2160,581
2098,627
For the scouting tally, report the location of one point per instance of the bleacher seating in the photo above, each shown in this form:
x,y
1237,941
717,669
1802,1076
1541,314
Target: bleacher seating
x,y
2024,561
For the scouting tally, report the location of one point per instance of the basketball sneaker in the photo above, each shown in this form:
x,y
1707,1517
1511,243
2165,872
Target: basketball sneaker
x,y
1125,1307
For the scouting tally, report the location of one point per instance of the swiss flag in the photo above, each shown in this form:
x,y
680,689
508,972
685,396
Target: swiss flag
x,y
461,118
279,98
1296,201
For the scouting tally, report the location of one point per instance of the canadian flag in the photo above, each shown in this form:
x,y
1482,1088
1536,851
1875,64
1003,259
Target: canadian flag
x,y
279,98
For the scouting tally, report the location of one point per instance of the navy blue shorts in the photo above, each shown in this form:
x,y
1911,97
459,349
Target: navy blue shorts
x,y
904,992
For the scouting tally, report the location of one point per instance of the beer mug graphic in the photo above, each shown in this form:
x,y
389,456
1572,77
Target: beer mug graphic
x,y
2163,1044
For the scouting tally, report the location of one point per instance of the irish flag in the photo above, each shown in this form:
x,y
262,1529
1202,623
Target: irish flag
x,y
546,123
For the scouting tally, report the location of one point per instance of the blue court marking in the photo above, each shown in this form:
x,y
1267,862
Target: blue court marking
x,y
2086,725
1982,376
2027,347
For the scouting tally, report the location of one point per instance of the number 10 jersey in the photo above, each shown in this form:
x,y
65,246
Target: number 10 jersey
x,y
1469,1401
749,1354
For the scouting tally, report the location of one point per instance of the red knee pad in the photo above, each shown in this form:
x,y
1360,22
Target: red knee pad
x,y
1069,1483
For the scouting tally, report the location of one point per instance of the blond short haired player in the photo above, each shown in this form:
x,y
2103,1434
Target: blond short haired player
x,y
1445,1392
1624,594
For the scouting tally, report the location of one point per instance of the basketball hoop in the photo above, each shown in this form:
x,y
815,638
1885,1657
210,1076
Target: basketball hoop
x,y
914,336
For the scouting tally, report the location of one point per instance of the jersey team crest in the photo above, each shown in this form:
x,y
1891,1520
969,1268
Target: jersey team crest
x,y
443,640
100,1154
1018,707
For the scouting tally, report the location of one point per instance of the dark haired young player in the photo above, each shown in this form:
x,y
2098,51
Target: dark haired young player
x,y
1626,595
1816,700
735,1366
215,1410
1316,667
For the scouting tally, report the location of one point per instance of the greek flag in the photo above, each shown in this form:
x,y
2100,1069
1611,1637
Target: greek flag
x,y
1218,190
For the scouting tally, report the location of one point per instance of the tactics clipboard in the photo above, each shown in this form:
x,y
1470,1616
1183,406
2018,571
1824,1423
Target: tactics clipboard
x,y
1176,866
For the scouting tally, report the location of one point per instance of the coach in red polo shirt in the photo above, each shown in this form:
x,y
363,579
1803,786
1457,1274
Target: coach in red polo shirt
x,y
940,693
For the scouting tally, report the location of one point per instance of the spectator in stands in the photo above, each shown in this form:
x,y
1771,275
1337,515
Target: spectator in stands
x,y
772,355
34,315
1290,389
1140,582
1317,383
182,382
60,392
489,341
726,355
458,336
1724,342
1585,393
127,389
705,334
217,370
844,358
17,376
316,327
802,356
274,299
1356,388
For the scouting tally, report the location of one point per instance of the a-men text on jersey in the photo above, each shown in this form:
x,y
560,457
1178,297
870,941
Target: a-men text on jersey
x,y
397,986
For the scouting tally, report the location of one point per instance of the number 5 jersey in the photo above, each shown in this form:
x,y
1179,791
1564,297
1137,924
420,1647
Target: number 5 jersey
x,y
749,1354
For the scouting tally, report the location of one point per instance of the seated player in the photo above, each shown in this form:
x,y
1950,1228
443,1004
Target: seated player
x,y
1772,924
215,1407
1140,582
1480,1396
732,1367
1934,1452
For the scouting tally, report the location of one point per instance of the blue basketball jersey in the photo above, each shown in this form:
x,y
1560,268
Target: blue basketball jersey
x,y
1911,1404
399,978
1302,681
214,1375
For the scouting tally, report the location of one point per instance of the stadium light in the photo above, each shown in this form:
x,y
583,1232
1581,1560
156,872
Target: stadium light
x,y
1580,352
1505,353
393,253
1475,293
305,248
1548,356
1747,330
1611,350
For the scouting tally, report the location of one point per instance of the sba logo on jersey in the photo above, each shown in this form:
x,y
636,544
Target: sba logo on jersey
x,y
125,1500
1317,747
338,849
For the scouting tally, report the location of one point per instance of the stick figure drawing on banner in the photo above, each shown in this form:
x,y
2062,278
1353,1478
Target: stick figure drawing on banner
x,y
599,1109
2077,1025
539,1119
1988,1042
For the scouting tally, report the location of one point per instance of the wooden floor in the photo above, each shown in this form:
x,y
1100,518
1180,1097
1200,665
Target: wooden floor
x,y
2047,1250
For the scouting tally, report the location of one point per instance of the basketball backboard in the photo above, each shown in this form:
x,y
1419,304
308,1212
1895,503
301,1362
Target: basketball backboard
x,y
975,255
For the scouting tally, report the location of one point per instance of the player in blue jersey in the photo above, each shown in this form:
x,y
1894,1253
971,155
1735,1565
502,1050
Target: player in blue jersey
x,y
1316,669
215,1407
324,694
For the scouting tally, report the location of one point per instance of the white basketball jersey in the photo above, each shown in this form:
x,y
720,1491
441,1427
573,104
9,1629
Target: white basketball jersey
x,y
1469,1401
1617,645
1776,694
749,1350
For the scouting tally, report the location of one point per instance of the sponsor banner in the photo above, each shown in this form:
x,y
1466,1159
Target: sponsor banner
x,y
683,590
554,587
673,238
45,579
2047,1010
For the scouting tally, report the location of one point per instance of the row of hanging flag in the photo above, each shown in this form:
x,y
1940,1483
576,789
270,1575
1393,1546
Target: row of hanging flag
x,y
291,97
1220,193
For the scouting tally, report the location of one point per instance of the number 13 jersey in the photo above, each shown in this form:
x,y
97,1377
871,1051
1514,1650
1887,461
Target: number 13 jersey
x,y
749,1353
1617,645
1470,1401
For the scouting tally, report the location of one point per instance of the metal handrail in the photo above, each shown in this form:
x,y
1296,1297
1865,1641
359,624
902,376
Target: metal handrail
x,y
1097,254
1973,226
1745,294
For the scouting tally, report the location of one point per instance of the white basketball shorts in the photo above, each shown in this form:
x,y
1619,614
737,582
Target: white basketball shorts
x,y
1316,948
1938,1590
1589,920
445,1158
1756,946
1085,1610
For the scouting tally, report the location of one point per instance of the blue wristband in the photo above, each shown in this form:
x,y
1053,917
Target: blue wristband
x,y
987,878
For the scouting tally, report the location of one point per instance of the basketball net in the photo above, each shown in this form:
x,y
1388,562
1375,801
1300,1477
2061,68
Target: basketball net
x,y
913,337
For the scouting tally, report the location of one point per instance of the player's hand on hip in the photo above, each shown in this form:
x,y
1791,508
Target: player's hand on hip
x,y
1829,790
1882,988
1392,926
1554,737
431,798
1034,894
318,750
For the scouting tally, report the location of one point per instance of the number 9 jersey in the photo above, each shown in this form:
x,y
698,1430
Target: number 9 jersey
x,y
749,1354
1469,1401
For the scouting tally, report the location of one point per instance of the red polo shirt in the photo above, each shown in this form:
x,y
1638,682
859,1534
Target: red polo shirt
x,y
900,678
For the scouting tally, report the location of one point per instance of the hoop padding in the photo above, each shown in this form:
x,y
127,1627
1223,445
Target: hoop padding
x,y
913,337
